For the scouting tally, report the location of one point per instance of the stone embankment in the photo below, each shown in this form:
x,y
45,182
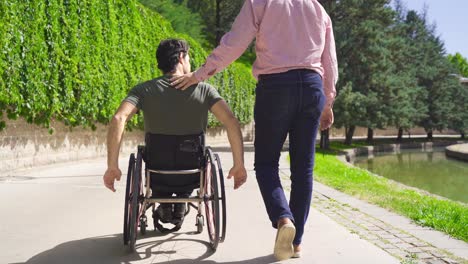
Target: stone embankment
x,y
459,151
351,154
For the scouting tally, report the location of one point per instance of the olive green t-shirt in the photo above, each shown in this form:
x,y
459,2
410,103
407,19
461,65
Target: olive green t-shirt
x,y
169,111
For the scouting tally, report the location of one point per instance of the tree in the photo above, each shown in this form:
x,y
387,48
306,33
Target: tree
x,y
408,99
393,70
432,73
182,19
216,18
459,116
218,15
363,49
325,139
349,104
460,63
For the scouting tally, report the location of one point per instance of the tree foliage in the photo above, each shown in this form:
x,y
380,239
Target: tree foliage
x,y
393,69
218,15
74,61
182,19
432,71
460,63
213,17
365,59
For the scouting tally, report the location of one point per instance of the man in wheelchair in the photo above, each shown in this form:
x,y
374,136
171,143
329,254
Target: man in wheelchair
x,y
175,122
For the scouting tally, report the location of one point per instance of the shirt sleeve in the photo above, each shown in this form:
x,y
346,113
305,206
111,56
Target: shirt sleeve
x,y
330,65
233,43
212,96
135,97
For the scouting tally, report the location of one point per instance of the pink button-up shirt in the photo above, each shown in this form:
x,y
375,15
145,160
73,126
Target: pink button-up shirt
x,y
290,34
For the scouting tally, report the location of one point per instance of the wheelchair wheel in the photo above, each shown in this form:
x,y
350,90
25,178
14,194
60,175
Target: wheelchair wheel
x,y
200,223
143,224
126,227
134,216
212,200
223,199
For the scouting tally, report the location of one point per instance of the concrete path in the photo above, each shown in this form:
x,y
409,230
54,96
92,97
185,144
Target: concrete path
x,y
63,214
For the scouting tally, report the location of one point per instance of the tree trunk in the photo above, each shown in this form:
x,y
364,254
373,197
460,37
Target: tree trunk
x,y
462,135
325,139
430,156
349,135
218,22
429,135
370,135
400,134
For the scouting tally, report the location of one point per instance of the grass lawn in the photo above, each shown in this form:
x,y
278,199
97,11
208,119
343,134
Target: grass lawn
x,y
444,215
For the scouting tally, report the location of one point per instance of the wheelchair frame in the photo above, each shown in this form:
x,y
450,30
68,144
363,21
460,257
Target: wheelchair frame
x,y
209,193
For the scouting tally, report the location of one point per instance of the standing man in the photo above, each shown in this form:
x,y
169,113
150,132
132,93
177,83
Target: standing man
x,y
297,70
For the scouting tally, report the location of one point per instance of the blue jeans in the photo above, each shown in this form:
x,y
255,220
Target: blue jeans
x,y
289,102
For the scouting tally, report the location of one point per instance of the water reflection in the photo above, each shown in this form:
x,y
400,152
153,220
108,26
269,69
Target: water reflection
x,y
430,171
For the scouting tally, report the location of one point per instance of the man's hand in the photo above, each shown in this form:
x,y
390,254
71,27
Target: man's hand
x,y
110,176
240,176
183,81
326,119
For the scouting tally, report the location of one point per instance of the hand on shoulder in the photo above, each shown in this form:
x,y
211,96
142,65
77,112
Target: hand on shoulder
x,y
183,81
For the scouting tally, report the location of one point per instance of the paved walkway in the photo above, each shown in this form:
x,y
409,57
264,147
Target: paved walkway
x,y
62,214
395,234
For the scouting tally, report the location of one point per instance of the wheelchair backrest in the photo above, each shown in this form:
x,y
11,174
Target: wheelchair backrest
x,y
174,152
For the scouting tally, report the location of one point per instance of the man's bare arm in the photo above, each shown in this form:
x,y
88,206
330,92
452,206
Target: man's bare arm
x,y
114,140
222,112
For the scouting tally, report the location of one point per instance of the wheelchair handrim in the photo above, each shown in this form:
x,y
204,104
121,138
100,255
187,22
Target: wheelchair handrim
x,y
131,166
212,203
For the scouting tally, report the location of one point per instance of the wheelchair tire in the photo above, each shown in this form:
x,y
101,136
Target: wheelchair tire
x,y
135,203
223,199
200,223
126,227
143,225
212,200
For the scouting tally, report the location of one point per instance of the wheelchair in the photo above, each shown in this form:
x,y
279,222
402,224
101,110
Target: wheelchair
x,y
175,164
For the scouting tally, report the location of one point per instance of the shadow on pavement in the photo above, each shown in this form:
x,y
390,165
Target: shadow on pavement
x,y
260,260
106,249
110,249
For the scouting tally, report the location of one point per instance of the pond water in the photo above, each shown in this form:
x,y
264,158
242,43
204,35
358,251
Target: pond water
x,y
430,171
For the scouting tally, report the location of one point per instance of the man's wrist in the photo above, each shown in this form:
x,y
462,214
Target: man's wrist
x,y
112,167
329,103
198,74
238,164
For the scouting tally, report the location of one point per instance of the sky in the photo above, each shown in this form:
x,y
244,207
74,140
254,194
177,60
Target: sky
x,y
448,15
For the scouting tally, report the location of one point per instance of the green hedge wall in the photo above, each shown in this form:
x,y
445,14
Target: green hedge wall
x,y
75,60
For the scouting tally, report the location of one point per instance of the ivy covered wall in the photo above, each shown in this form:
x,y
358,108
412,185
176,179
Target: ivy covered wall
x,y
75,60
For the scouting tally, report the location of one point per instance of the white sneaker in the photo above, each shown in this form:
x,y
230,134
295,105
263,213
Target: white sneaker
x,y
283,244
296,255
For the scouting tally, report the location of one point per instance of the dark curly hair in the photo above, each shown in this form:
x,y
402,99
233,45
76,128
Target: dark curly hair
x,y
168,52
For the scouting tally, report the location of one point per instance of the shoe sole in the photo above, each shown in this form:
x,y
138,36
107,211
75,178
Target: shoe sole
x,y
283,245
